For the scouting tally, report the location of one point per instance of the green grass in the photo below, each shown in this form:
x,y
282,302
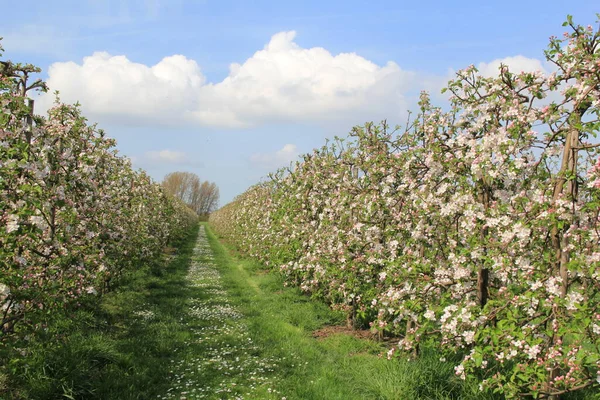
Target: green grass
x,y
179,329
108,350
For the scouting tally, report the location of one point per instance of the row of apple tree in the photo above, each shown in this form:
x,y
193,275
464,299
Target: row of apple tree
x,y
473,228
74,215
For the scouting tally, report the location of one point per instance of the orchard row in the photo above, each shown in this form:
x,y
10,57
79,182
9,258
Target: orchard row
x,y
73,214
474,229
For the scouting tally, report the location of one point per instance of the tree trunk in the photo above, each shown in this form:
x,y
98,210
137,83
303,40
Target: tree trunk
x,y
566,184
483,272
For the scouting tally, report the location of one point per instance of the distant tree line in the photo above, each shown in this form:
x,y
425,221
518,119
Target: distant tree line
x,y
200,196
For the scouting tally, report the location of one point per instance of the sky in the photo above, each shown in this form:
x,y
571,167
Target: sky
x,y
233,90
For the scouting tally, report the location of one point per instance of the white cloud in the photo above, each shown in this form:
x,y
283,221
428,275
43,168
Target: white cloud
x,y
280,158
515,65
114,86
282,82
287,82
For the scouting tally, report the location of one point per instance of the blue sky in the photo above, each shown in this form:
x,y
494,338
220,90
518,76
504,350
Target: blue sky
x,y
231,90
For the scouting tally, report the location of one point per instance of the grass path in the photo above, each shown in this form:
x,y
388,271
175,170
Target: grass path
x,y
221,359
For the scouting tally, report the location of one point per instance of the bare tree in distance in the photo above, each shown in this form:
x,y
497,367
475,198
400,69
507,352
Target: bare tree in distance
x,y
209,198
181,185
202,197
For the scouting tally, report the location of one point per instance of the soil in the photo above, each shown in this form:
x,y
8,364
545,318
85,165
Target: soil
x,y
344,330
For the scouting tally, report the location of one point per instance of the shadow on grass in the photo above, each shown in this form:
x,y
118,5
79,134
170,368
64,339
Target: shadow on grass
x,y
120,348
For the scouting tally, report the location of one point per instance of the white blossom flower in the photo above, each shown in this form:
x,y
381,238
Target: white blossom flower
x,y
12,224
469,336
4,291
430,315
91,290
532,351
573,299
459,370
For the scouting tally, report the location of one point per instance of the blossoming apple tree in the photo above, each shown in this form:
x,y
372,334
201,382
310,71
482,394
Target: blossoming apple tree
x,y
473,228
73,214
